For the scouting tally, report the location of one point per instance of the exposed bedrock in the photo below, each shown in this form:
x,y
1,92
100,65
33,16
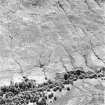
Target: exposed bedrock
x,y
59,34
40,38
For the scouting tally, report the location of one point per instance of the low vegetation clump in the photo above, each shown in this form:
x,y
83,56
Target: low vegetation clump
x,y
28,91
